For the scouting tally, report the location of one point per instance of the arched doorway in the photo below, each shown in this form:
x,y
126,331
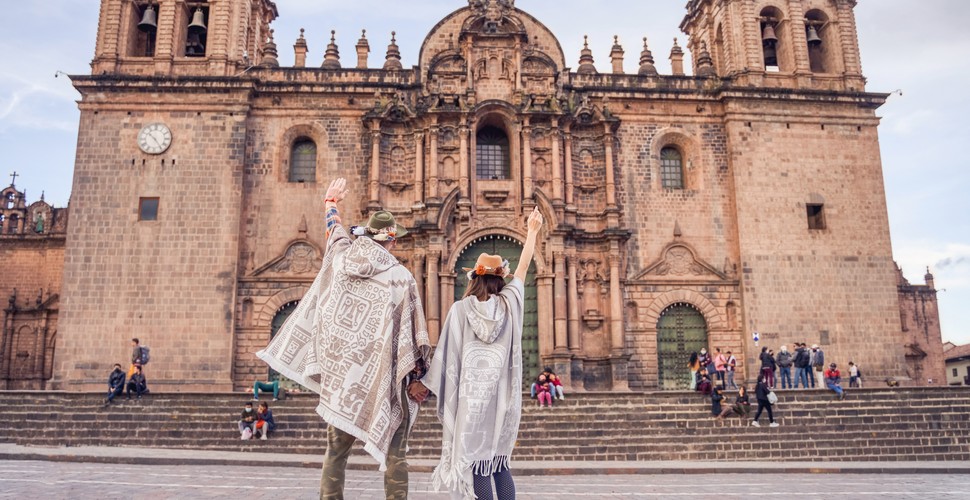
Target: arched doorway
x,y
510,249
281,316
681,330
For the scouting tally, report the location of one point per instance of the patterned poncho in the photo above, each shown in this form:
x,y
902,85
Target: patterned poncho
x,y
479,357
353,339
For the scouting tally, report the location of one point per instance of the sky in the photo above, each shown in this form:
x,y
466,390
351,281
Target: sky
x,y
922,51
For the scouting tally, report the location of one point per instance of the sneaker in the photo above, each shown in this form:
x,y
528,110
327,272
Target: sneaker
x,y
773,424
263,436
842,396
755,424
275,399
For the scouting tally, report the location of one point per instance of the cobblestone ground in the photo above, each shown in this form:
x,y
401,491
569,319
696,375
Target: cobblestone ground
x,y
26,480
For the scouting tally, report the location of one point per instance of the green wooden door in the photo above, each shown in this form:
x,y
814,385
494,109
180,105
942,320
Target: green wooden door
x,y
281,316
681,330
509,249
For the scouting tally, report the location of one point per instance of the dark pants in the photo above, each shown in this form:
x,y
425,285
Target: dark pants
x,y
762,405
138,389
786,377
113,393
769,375
504,485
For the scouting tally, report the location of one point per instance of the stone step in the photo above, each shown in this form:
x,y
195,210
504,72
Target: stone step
x,y
880,424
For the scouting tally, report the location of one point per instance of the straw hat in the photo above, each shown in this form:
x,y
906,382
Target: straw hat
x,y
489,264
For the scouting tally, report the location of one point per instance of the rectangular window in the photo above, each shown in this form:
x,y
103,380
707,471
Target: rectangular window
x,y
816,216
148,209
956,373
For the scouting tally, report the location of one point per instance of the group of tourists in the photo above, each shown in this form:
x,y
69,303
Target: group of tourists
x,y
706,370
810,369
359,339
547,388
134,380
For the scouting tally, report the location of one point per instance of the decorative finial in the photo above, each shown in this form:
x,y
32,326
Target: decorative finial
x,y
331,58
393,59
647,67
363,33
301,32
616,39
333,36
585,41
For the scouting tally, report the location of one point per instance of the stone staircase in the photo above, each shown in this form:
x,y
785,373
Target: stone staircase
x,y
872,425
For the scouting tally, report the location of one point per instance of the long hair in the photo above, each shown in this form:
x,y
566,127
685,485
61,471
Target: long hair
x,y
484,286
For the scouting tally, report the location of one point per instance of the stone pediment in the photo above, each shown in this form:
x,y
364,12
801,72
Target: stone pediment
x,y
679,261
301,258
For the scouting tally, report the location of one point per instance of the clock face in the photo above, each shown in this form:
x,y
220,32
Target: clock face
x,y
155,138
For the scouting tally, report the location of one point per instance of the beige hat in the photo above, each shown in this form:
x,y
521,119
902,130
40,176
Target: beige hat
x,y
381,227
489,264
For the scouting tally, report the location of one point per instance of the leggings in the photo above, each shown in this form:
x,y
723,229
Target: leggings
x,y
504,485
764,405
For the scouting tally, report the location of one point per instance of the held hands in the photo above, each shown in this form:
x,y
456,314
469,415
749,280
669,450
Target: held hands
x,y
337,190
418,392
535,221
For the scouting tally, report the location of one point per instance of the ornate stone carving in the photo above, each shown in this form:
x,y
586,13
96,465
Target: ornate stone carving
x,y
300,258
679,262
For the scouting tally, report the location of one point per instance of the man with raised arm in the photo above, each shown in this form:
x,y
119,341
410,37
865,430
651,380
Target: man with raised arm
x,y
355,339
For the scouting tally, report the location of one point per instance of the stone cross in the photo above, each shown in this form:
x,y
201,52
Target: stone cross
x,y
13,178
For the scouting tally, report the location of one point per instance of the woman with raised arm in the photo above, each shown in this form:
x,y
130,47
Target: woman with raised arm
x,y
479,356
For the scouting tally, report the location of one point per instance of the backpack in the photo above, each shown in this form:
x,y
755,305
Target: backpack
x,y
145,354
282,394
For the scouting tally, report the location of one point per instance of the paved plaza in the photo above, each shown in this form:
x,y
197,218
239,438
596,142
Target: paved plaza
x,y
38,479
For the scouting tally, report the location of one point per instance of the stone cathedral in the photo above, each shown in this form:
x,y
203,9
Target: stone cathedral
x,y
738,198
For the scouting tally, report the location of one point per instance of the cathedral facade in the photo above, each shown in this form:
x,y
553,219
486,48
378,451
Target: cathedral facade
x,y
736,207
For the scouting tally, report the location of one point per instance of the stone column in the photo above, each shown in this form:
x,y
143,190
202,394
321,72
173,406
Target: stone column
x,y
610,180
560,301
546,339
618,355
463,161
375,167
527,185
573,304
568,139
447,297
167,36
799,40
556,139
616,302
433,167
432,298
419,169
419,280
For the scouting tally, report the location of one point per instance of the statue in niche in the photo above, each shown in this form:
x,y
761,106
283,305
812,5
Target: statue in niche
x,y
39,223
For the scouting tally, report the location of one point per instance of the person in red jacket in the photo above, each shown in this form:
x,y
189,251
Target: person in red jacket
x,y
833,380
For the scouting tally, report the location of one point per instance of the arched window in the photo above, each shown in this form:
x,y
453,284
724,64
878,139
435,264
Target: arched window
x,y
820,44
492,154
671,168
303,161
12,224
773,47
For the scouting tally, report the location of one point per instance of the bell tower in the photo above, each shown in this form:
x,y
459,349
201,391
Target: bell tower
x,y
780,43
181,37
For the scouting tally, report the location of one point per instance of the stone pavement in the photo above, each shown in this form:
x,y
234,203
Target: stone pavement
x,y
40,479
177,457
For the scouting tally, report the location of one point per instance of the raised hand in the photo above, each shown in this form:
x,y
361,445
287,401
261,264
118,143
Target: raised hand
x,y
535,221
337,190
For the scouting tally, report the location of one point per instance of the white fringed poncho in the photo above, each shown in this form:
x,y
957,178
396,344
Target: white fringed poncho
x,y
479,356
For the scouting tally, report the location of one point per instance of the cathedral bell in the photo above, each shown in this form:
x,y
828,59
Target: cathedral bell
x,y
768,36
149,20
197,26
813,38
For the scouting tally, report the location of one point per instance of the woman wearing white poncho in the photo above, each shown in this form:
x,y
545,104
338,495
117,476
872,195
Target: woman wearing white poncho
x,y
479,355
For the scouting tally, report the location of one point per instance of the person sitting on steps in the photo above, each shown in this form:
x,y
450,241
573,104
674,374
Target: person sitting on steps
x,y
116,384
833,380
264,421
556,387
543,392
273,385
137,383
247,422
